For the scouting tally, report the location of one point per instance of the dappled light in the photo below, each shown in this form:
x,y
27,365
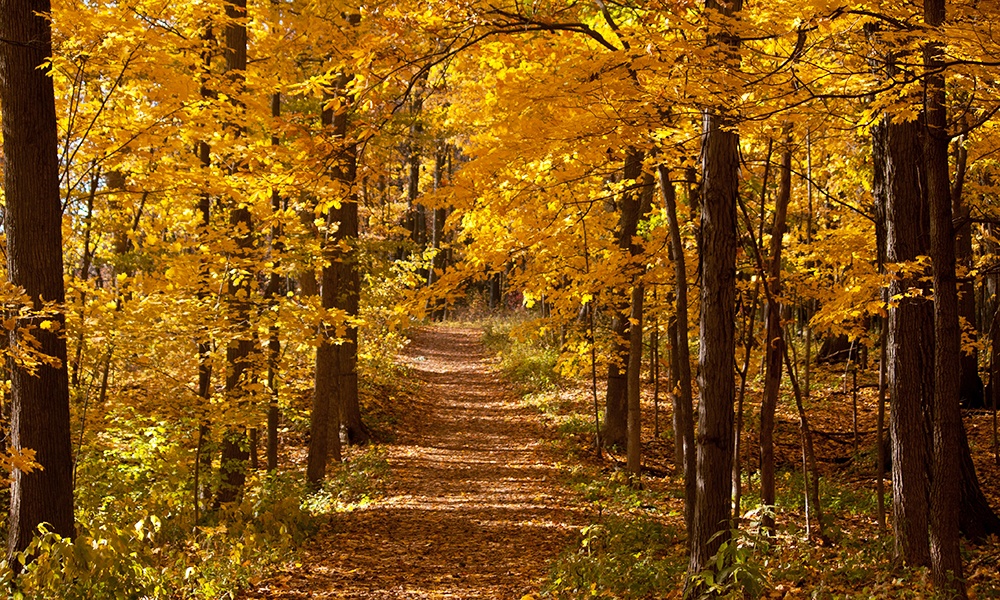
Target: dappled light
x,y
475,508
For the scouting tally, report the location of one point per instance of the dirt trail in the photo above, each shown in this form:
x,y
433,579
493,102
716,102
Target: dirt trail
x,y
473,510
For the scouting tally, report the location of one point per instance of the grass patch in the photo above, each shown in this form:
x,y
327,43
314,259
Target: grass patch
x,y
528,363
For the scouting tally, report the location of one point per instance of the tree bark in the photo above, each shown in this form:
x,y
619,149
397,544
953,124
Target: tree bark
x,y
616,400
720,189
275,287
203,451
946,560
910,345
680,359
40,418
336,383
235,446
774,342
971,388
634,448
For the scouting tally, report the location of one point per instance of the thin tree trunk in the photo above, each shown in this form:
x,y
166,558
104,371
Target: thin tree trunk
x,y
274,289
971,387
681,356
203,449
675,395
85,263
774,340
880,428
589,308
634,464
810,471
749,325
616,401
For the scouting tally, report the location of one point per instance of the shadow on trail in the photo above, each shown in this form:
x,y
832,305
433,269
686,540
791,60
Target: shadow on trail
x,y
474,510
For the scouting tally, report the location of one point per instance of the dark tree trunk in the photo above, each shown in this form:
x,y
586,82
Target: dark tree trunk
x,y
634,456
673,381
977,521
972,384
348,284
680,360
910,346
40,418
496,291
204,450
616,400
946,560
235,446
774,341
324,440
348,298
720,189
335,397
275,287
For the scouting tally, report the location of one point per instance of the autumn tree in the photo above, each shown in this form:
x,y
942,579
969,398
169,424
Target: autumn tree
x,y
945,496
719,190
235,449
40,417
616,399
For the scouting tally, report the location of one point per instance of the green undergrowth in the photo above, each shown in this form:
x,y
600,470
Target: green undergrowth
x,y
529,363
632,548
635,544
130,547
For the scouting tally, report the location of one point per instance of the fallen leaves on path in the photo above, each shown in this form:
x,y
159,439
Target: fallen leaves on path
x,y
473,509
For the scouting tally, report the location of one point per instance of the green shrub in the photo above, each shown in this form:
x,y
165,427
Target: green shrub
x,y
735,571
354,484
619,557
530,364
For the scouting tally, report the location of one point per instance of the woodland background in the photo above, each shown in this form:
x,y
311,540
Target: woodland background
x,y
253,200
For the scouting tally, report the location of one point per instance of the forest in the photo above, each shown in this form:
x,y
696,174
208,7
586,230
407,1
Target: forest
x,y
720,278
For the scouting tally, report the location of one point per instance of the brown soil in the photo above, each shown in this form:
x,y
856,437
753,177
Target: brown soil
x,y
473,508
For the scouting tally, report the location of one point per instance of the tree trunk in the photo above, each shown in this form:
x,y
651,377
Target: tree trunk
x,y
634,464
977,521
40,418
675,396
720,188
616,399
203,452
274,290
235,449
323,441
774,342
946,560
348,300
971,388
681,356
345,247
910,343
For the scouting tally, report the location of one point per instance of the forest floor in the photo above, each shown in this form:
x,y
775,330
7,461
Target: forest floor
x,y
493,491
473,507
